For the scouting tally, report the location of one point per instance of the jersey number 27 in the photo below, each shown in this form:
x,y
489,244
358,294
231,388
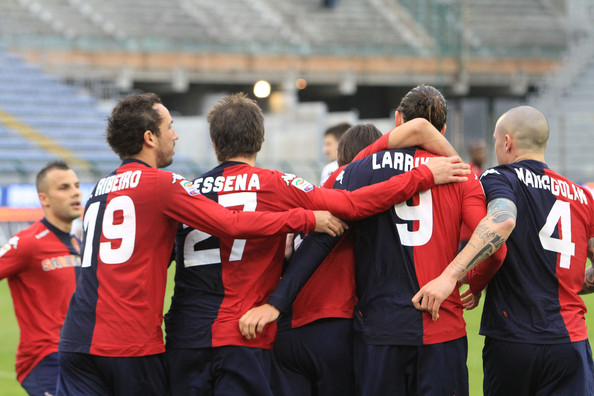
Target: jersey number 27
x,y
194,256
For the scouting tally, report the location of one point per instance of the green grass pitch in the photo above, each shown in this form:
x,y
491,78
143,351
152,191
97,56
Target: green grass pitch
x,y
9,334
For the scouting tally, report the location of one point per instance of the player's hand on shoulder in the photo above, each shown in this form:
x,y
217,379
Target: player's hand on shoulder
x,y
448,169
328,223
253,321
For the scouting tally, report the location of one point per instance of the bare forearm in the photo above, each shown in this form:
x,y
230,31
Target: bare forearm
x,y
420,132
490,234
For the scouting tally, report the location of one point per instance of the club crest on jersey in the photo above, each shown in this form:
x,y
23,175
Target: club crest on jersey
x,y
302,184
189,187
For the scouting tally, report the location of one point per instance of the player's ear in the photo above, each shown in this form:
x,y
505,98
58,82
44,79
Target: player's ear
x,y
43,198
443,130
398,118
149,138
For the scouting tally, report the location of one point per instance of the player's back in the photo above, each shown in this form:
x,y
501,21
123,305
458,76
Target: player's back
x,y
117,307
533,297
219,279
400,250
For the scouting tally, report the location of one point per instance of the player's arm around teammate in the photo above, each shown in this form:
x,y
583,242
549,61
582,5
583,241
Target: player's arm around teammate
x,y
490,234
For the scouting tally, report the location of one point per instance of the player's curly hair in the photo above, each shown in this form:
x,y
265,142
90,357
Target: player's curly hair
x,y
236,126
129,120
424,101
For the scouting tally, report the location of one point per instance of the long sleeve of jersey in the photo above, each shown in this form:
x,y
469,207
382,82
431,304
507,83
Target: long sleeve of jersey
x,y
13,258
372,199
306,259
204,214
480,276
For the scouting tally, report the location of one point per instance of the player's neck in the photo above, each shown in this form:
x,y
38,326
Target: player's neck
x,y
529,156
59,224
146,157
248,160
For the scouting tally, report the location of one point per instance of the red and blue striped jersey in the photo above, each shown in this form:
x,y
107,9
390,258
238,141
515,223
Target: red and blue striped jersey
x,y
129,226
402,249
40,263
320,279
533,297
219,279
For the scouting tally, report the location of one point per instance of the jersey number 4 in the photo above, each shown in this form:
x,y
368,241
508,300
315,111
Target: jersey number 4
x,y
194,255
560,214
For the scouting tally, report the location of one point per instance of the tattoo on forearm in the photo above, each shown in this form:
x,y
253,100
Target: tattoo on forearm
x,y
491,247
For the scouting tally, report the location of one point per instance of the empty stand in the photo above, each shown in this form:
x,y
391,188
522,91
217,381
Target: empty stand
x,y
567,99
297,27
42,119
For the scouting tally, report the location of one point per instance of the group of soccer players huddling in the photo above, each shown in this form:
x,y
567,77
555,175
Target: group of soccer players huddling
x,y
285,288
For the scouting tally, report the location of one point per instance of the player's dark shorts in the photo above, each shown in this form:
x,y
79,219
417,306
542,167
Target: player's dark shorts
x,y
436,369
512,368
90,375
226,370
315,359
43,379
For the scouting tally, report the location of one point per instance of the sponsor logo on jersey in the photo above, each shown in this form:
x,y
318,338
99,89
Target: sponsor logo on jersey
x,y
42,234
11,244
302,184
489,172
60,262
176,177
4,249
287,177
340,177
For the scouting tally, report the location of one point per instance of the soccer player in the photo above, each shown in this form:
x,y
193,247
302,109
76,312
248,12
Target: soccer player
x,y
111,342
332,137
398,349
314,344
40,263
536,341
219,279
313,349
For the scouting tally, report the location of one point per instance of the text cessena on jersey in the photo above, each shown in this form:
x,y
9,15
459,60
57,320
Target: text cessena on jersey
x,y
244,182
